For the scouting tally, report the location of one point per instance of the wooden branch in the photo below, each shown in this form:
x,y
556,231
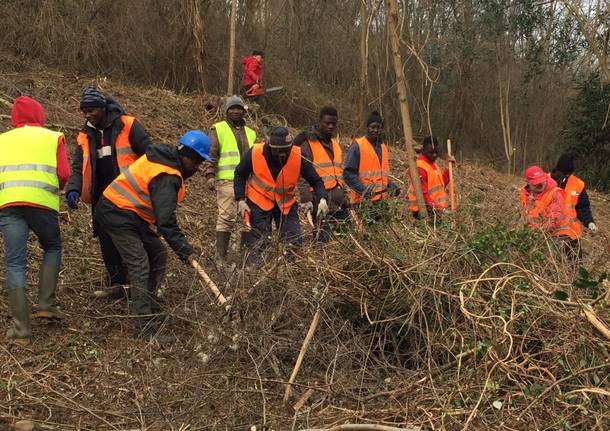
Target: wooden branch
x,y
297,366
208,281
231,77
594,320
401,87
363,427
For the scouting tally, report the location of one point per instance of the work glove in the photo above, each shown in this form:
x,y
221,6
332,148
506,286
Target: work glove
x,y
592,227
211,183
73,199
394,189
322,209
242,208
307,207
450,159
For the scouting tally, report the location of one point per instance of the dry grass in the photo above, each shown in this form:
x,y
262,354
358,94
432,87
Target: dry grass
x,y
421,324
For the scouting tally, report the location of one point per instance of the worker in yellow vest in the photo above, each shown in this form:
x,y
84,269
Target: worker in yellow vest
x,y
109,142
433,182
33,169
148,193
319,147
575,193
231,139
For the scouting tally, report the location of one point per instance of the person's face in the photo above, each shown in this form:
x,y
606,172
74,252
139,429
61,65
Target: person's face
x,y
374,129
431,152
280,154
328,124
537,188
235,113
190,167
259,58
96,116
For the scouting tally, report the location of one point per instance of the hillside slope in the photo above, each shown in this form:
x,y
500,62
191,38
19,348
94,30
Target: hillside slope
x,y
420,325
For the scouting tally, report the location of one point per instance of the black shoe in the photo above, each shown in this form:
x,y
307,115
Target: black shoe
x,y
117,291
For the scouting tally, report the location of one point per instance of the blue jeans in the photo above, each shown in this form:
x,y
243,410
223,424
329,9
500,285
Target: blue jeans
x,y
15,225
289,226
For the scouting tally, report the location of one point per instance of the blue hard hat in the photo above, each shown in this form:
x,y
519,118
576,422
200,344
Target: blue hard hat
x,y
198,141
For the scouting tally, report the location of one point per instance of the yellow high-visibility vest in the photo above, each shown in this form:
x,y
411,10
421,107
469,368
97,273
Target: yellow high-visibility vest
x,y
28,166
229,151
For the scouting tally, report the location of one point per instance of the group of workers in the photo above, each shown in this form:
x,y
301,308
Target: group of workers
x,y
132,185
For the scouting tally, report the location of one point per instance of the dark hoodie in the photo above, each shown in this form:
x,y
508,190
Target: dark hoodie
x,y
28,112
253,71
164,197
105,169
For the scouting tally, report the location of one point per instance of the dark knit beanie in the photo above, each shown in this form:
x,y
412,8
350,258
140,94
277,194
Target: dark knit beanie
x,y
374,117
565,164
280,138
92,98
257,52
189,153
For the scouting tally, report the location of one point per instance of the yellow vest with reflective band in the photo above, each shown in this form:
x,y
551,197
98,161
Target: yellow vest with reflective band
x,y
229,151
28,167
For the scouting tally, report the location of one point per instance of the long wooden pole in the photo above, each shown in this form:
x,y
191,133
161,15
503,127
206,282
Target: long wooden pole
x,y
231,77
401,87
208,281
451,181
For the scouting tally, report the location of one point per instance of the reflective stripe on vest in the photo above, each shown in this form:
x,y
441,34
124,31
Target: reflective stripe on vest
x,y
436,187
229,151
572,191
371,171
28,167
264,191
125,156
331,171
129,190
536,211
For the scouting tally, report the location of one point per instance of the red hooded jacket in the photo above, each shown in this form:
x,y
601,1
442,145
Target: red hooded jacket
x,y
28,112
253,71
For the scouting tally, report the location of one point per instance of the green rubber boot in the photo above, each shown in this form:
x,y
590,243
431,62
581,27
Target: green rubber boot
x,y
47,283
21,332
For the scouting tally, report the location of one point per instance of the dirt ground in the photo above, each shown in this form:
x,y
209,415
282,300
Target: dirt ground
x,y
87,373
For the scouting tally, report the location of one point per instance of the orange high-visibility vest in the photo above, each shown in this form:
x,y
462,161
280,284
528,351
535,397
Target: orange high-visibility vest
x,y
573,189
371,171
436,187
536,211
264,191
125,156
331,171
130,189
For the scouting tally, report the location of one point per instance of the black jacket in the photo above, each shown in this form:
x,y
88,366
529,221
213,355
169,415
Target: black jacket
x,y
244,170
138,138
164,197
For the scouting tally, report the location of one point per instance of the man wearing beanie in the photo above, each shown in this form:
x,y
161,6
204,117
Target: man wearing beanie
x,y
577,200
231,139
325,153
147,193
367,168
33,169
265,189
109,142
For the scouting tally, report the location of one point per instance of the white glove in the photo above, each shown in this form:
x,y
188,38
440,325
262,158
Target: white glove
x,y
592,227
322,209
242,208
308,207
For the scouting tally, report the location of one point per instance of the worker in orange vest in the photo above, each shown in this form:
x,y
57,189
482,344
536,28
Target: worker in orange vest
x,y
367,168
148,193
265,190
543,205
577,200
325,153
109,142
433,183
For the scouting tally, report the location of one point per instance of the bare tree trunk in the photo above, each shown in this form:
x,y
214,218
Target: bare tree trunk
x,y
364,63
231,77
197,30
401,86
